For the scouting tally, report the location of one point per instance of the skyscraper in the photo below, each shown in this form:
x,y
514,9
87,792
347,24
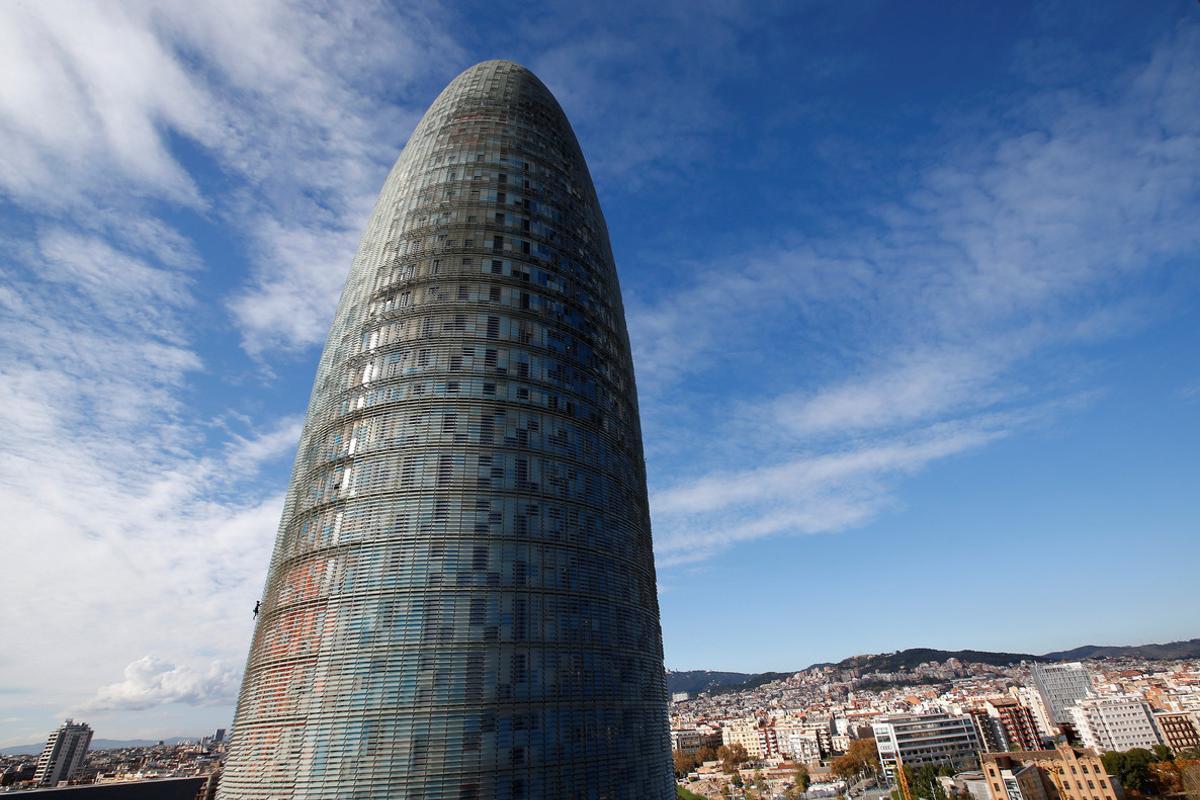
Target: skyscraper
x,y
1061,686
63,754
461,602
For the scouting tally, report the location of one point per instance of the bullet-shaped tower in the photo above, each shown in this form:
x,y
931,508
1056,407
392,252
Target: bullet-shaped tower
x,y
461,601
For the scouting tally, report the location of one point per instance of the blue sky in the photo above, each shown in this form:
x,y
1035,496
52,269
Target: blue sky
x,y
912,290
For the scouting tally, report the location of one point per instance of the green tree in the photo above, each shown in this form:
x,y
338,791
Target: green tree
x,y
1163,753
801,777
1132,769
923,782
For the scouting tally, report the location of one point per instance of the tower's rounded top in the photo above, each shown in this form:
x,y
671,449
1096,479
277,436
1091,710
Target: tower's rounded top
x,y
497,62
498,68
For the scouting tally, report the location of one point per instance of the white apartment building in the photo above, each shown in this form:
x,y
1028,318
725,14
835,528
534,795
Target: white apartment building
x,y
1031,697
1120,722
1061,686
798,744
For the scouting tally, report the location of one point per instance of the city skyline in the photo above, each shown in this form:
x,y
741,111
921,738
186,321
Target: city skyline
x,y
910,296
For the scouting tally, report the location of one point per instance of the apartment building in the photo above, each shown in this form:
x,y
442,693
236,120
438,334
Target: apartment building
x,y
1065,773
934,738
1118,722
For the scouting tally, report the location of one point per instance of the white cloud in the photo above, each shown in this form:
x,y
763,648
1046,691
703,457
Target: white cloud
x,y
926,384
151,681
811,493
291,299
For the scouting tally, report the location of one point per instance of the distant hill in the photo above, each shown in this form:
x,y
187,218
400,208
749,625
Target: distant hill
x,y
97,744
753,681
907,659
695,681
702,680
1155,652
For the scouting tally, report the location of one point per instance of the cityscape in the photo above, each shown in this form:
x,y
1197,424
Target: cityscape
x,y
460,401
999,728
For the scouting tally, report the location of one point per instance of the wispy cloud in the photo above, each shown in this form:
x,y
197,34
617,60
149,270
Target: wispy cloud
x,y
815,493
72,117
938,317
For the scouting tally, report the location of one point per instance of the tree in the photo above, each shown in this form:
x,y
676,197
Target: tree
x,y
1163,753
1132,769
844,767
684,762
923,782
736,780
801,777
1168,777
862,756
732,756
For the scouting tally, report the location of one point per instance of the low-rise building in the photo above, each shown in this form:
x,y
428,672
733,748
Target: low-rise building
x,y
934,738
1065,773
1016,721
1023,782
754,734
1180,730
689,740
971,783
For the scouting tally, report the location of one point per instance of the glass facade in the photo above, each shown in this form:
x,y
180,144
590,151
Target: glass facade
x,y
461,602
